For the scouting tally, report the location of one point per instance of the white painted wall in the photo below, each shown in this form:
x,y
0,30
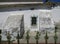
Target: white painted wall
x,y
27,17
55,16
56,13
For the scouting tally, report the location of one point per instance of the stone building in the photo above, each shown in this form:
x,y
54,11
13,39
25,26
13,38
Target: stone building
x,y
37,16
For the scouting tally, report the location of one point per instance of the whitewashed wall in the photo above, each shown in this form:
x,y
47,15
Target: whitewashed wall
x,y
55,15
27,16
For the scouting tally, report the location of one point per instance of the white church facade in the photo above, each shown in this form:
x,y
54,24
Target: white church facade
x,y
36,17
35,20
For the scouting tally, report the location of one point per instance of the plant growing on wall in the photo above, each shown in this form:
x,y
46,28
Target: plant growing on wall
x,y
55,36
8,37
37,36
27,36
46,38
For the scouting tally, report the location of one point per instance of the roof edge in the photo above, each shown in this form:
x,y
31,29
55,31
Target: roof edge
x,y
10,3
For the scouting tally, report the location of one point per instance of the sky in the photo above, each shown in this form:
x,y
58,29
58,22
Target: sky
x,y
53,0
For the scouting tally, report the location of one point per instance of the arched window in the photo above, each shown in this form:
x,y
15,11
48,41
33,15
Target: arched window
x,y
33,20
